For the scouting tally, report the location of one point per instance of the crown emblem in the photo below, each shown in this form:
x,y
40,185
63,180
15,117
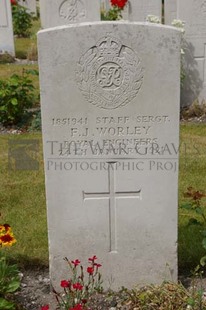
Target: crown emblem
x,y
109,46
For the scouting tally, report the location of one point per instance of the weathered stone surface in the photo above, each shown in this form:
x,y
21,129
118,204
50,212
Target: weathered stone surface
x,y
62,12
110,112
6,28
138,10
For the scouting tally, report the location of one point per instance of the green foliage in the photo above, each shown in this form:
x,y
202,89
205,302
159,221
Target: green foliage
x,y
196,205
16,95
165,296
9,283
22,21
36,122
115,13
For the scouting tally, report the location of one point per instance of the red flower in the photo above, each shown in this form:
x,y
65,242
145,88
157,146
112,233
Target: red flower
x,y
45,307
97,265
90,270
119,3
78,286
65,283
76,262
92,259
77,307
13,2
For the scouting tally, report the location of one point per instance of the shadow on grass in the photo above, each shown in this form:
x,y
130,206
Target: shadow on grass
x,y
25,262
190,249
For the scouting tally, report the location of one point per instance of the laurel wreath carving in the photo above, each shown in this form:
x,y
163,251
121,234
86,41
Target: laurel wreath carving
x,y
110,54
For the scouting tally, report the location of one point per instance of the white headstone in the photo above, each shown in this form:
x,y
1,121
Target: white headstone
x,y
6,28
193,13
170,11
138,10
110,134
30,5
62,12
105,4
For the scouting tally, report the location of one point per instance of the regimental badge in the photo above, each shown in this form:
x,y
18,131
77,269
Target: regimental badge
x,y
72,10
109,74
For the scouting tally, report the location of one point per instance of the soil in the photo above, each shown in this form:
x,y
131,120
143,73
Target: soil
x,y
35,292
35,289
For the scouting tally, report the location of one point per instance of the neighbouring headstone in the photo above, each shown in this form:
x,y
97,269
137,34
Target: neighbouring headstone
x,y
138,10
105,5
62,12
30,5
193,13
110,117
6,28
170,11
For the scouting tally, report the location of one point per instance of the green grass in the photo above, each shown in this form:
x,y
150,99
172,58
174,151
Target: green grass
x,y
22,204
22,200
192,173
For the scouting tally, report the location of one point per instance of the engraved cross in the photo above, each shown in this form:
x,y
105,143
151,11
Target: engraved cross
x,y
111,196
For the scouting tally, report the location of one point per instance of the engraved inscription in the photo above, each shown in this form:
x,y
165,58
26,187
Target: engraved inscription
x,y
109,74
3,14
72,10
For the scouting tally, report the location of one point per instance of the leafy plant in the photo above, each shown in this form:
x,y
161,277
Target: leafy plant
x,y
22,21
78,289
198,207
9,283
16,95
115,13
